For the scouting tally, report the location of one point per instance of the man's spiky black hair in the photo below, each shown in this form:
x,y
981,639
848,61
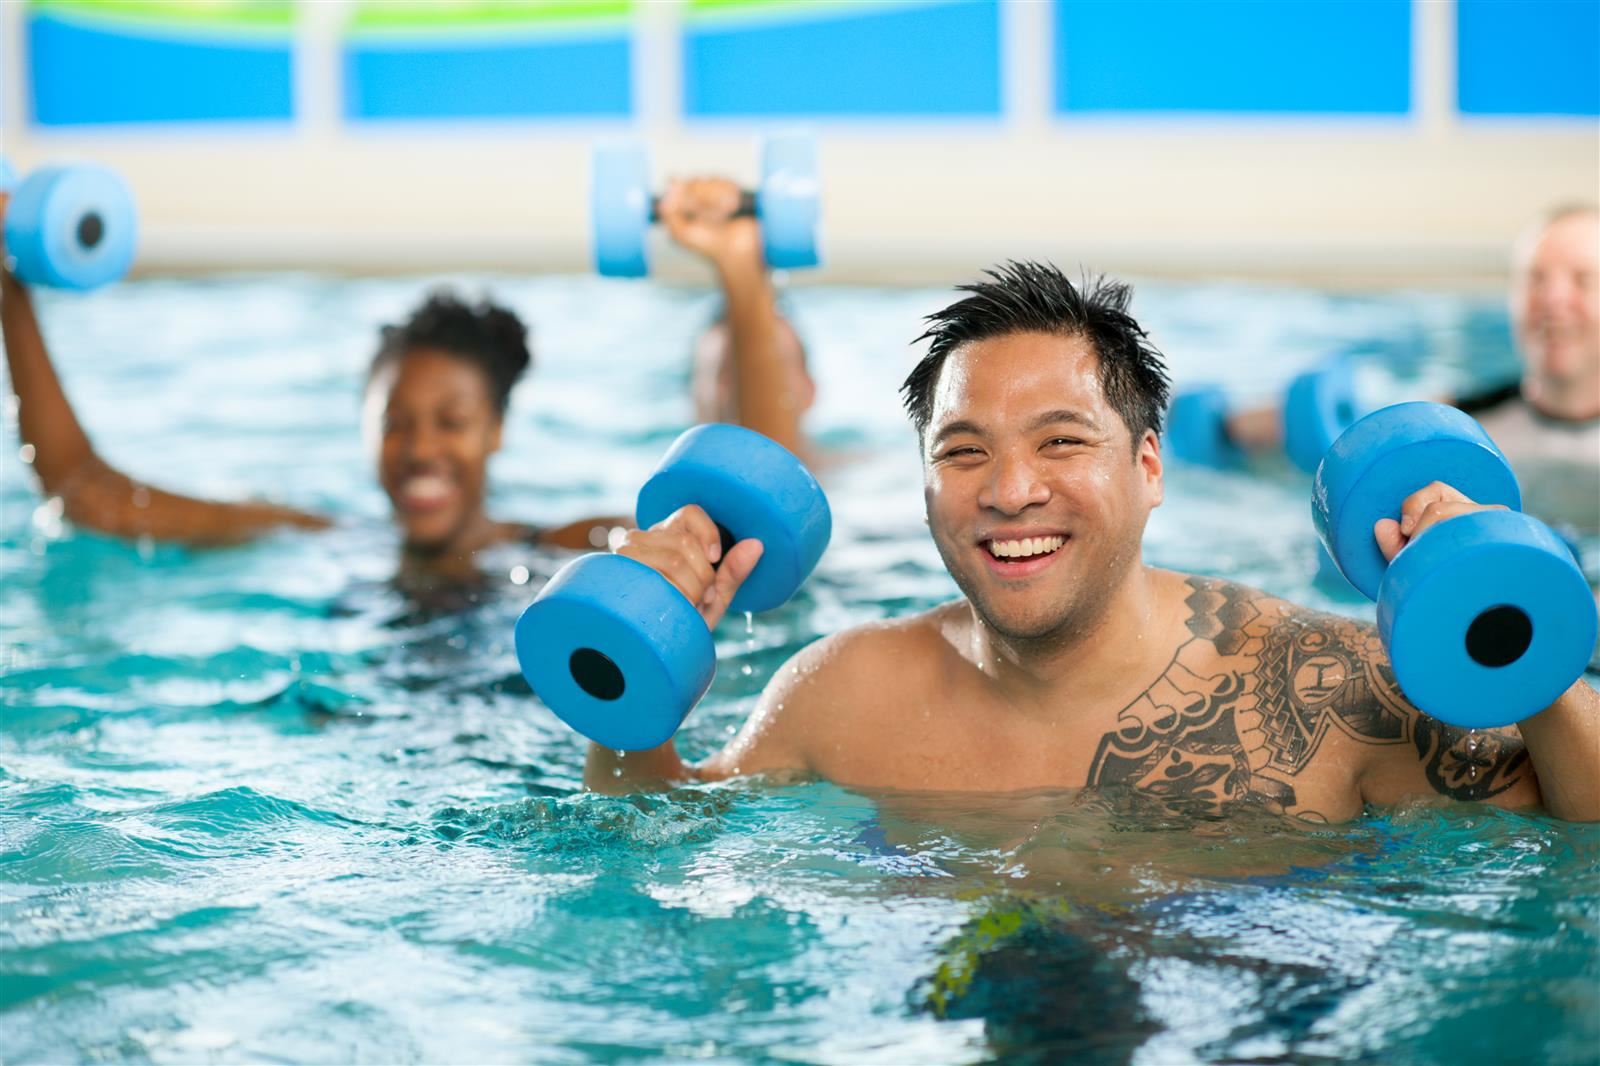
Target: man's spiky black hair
x,y
1031,297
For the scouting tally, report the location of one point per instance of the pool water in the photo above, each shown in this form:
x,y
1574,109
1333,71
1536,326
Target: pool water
x,y
262,805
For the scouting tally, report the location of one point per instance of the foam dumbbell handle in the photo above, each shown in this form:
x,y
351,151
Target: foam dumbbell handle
x,y
71,227
1384,458
1486,618
616,651
622,209
752,487
747,206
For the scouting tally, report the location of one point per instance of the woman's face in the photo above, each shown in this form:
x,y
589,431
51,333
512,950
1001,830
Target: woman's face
x,y
432,422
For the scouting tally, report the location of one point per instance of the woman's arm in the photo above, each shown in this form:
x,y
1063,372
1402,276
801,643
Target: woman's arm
x,y
93,493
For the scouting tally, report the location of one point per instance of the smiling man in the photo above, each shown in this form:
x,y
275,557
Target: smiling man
x,y
1068,662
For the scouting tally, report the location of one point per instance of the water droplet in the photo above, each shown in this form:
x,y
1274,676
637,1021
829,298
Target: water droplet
x,y
141,496
25,453
519,575
746,670
146,546
749,623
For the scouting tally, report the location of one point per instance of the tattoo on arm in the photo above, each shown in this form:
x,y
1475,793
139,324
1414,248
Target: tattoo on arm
x,y
1248,701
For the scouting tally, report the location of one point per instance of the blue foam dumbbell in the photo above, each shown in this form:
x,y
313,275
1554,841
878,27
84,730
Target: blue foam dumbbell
x,y
1197,429
1486,617
612,647
69,227
786,201
1319,405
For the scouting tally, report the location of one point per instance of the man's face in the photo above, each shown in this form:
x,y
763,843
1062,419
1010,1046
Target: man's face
x,y
1037,494
431,420
1555,302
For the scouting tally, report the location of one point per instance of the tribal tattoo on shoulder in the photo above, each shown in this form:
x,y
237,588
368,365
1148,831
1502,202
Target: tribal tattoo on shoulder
x,y
1248,701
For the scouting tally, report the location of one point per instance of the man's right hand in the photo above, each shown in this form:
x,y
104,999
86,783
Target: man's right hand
x,y
699,213
686,549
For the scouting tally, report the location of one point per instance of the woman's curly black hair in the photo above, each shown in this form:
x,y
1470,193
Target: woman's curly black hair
x,y
484,334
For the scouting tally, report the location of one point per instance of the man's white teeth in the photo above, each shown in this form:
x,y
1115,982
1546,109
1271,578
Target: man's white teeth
x,y
1022,549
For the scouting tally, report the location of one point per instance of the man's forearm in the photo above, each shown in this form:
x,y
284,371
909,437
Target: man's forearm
x,y
1564,746
45,417
617,772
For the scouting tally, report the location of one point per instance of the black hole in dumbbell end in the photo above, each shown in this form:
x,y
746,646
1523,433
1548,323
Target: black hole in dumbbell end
x,y
91,229
1499,636
596,674
1345,413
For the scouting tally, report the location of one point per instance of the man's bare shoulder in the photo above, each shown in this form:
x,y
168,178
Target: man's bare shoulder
x,y
878,659
833,691
1232,618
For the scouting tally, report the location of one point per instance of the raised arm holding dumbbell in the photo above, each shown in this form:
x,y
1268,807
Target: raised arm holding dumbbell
x,y
749,366
73,228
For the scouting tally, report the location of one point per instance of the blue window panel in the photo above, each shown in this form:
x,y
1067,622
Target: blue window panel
x,y
1528,57
583,77
913,59
84,74
1238,56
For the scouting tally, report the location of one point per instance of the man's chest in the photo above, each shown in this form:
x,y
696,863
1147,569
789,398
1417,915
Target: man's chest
x,y
1195,737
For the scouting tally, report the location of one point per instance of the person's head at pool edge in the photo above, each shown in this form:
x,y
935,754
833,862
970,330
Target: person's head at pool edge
x,y
1555,309
436,396
1038,406
711,378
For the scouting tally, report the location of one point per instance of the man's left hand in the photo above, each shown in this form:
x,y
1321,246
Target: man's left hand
x,y
1422,510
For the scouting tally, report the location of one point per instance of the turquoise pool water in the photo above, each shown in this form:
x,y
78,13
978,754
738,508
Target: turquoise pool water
x,y
259,805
